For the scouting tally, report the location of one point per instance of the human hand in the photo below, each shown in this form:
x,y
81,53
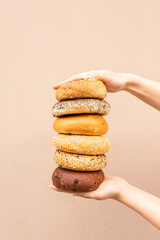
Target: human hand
x,y
114,82
111,187
117,188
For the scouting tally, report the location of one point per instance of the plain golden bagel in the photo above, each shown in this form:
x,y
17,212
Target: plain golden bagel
x,y
78,162
85,124
81,106
87,88
82,144
72,181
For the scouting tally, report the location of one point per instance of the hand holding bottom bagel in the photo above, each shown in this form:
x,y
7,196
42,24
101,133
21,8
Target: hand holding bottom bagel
x,y
111,187
146,204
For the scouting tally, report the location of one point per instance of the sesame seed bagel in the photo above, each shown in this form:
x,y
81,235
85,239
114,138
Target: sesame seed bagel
x,y
85,124
80,162
80,106
73,181
87,88
81,144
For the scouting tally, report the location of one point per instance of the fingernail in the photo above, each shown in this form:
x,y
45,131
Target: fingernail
x,y
87,76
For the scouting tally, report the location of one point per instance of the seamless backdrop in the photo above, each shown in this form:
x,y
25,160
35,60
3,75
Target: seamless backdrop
x,y
44,42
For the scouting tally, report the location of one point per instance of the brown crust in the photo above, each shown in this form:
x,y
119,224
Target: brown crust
x,y
72,181
87,88
88,124
81,106
79,162
82,144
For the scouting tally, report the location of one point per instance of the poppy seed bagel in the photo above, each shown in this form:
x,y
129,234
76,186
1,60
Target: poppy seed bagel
x,y
81,106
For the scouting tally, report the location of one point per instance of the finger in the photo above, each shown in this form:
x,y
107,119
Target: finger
x,y
85,194
80,76
102,75
51,185
74,78
55,188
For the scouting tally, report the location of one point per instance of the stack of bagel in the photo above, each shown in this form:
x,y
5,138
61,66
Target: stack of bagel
x,y
80,142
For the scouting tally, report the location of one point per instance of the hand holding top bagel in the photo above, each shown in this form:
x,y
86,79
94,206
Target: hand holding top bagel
x,y
80,126
113,81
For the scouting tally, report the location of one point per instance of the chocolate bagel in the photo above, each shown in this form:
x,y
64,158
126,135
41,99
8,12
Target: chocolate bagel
x,y
79,162
85,124
81,106
72,181
87,88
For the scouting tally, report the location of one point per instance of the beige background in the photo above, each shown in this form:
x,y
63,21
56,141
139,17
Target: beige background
x,y
44,42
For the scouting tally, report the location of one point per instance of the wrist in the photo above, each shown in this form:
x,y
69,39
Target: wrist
x,y
118,188
131,82
124,191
